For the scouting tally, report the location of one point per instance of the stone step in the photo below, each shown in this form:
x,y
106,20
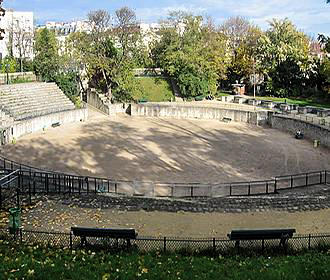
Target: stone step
x,y
18,101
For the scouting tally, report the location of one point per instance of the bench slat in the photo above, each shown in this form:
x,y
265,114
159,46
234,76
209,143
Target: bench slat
x,y
259,234
104,232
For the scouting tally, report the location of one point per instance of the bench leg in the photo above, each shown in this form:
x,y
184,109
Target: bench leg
x,y
83,241
128,242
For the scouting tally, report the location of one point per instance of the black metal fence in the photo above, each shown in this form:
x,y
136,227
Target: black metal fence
x,y
219,246
31,180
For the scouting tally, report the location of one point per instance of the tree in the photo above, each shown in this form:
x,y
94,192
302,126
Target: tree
x,y
242,38
46,55
325,42
191,53
2,14
108,52
283,56
20,41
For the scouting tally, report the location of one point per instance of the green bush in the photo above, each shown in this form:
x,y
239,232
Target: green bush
x,y
67,82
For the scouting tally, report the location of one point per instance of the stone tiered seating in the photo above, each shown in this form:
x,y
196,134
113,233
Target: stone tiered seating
x,y
24,101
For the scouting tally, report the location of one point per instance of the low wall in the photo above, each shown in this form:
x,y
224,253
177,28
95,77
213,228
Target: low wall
x,y
311,131
20,75
21,128
196,111
94,99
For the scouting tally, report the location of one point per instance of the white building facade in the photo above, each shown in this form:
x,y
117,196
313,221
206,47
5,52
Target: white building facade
x,y
19,32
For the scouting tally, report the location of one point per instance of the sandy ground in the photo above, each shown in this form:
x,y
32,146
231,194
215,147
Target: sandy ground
x,y
168,150
53,216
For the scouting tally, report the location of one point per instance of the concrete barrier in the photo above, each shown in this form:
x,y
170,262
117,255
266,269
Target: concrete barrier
x,y
20,128
196,111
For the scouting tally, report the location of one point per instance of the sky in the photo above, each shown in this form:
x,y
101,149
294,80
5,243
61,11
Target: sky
x,y
310,16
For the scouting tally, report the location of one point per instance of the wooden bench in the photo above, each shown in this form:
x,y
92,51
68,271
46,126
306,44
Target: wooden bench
x,y
226,120
125,234
262,234
56,124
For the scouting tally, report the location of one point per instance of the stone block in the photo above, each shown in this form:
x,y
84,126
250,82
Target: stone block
x,y
162,190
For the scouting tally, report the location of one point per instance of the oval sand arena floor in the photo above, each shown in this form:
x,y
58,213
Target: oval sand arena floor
x,y
168,150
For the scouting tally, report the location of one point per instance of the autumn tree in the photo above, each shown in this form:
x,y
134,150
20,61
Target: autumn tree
x,y
108,52
283,56
242,38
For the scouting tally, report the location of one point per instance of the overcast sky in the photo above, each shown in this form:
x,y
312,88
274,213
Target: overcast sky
x,y
311,16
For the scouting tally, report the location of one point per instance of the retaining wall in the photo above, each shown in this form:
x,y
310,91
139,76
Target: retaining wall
x,y
196,111
20,128
311,131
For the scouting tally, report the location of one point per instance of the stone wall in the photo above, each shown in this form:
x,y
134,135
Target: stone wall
x,y
196,111
100,102
24,127
95,100
291,125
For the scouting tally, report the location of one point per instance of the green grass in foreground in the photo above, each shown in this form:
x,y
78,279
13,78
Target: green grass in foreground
x,y
302,102
154,89
28,262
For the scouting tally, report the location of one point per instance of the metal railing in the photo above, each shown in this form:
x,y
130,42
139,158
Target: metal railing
x,y
33,181
7,182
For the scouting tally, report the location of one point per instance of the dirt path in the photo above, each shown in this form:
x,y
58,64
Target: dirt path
x,y
170,150
49,215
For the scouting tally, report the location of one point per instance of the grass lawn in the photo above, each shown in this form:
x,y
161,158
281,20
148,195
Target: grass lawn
x,y
28,262
302,102
154,89
222,93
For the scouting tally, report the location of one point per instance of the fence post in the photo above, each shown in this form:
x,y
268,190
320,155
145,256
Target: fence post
x,y
249,189
164,244
309,242
191,191
34,183
30,199
95,185
70,240
306,179
0,196
214,247
320,177
325,177
19,180
291,182
230,190
275,186
20,236
47,184
17,197
79,180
